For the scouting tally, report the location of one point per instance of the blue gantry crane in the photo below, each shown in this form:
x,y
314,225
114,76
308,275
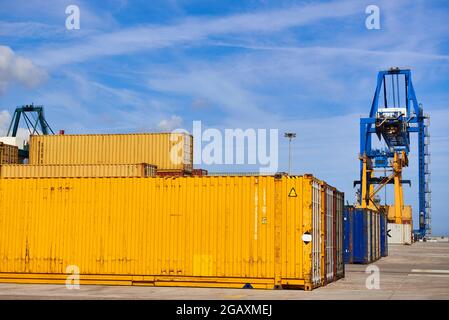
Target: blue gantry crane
x,y
395,113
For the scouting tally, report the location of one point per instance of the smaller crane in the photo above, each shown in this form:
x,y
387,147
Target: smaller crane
x,y
37,113
34,120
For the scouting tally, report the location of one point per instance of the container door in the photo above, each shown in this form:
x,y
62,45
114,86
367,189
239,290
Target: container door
x,y
376,237
373,236
316,236
360,236
347,237
329,234
340,207
382,235
378,234
385,236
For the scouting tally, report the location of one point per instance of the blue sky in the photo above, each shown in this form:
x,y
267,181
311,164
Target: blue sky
x,y
302,66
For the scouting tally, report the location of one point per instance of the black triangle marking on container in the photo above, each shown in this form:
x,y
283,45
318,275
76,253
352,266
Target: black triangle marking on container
x,y
292,192
248,286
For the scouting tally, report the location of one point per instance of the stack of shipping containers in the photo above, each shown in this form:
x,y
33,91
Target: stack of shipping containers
x,y
93,201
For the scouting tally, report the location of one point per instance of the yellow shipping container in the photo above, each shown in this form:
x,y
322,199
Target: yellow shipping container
x,y
263,232
8,153
77,170
168,151
406,214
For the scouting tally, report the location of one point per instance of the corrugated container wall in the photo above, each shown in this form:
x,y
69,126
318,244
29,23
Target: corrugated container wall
x,y
77,170
8,153
167,151
261,232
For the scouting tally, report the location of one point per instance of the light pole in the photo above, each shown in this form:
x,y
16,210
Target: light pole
x,y
289,136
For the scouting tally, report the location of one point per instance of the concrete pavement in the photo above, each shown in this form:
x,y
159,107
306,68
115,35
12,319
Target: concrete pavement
x,y
419,271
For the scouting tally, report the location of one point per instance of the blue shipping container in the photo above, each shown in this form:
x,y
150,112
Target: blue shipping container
x,y
363,235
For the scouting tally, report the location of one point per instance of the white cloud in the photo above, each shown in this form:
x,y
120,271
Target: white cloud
x,y
5,119
134,39
170,124
209,83
16,69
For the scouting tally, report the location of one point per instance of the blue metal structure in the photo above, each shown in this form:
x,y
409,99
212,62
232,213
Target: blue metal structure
x,y
395,113
34,120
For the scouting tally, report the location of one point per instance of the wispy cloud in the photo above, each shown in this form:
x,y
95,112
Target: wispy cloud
x,y
134,39
342,51
174,122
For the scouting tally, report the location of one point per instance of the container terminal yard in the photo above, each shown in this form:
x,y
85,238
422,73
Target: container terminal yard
x,y
127,210
136,215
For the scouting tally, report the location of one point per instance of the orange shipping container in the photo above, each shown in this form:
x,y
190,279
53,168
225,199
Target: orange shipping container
x,y
77,170
406,213
254,231
167,151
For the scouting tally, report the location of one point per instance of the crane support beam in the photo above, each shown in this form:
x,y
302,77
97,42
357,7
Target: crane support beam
x,y
38,126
